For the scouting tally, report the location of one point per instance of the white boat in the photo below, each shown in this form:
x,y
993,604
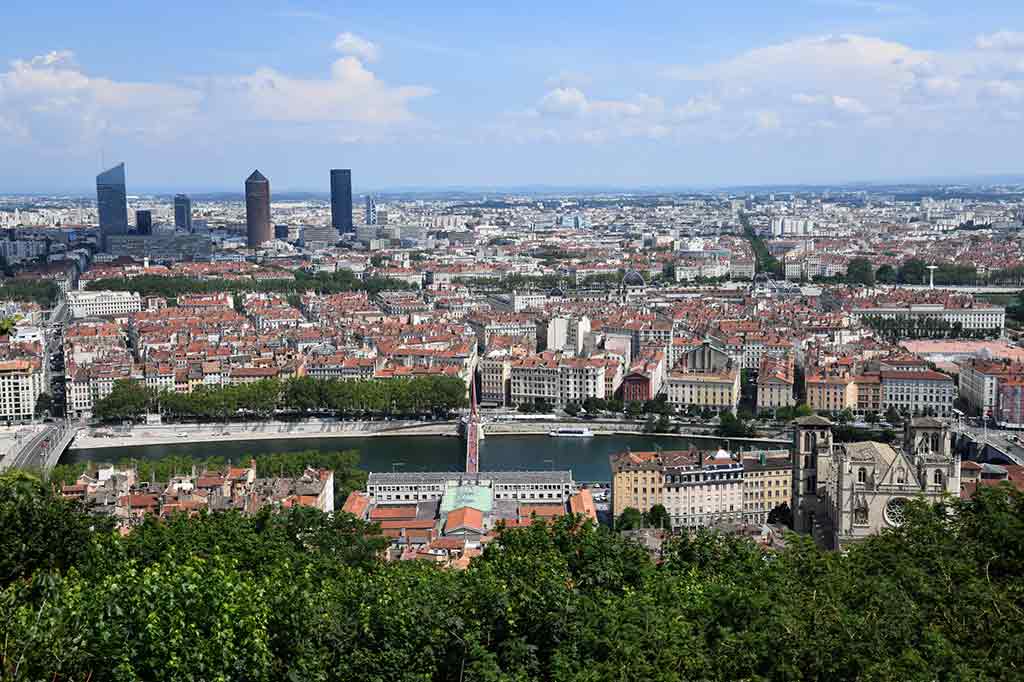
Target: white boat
x,y
571,432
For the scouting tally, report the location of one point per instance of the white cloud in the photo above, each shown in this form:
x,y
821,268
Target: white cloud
x,y
51,100
351,93
1001,40
355,46
767,120
573,102
697,107
850,105
1001,89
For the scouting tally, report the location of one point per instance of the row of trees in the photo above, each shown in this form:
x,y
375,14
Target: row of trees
x,y
320,282
303,596
41,291
302,396
861,270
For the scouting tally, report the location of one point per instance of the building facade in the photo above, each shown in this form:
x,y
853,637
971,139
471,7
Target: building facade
x,y
182,212
112,201
341,200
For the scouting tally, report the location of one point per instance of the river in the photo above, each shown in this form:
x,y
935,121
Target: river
x,y
587,458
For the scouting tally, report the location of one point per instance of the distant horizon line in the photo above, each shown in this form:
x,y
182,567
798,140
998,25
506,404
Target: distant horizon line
x,y
968,182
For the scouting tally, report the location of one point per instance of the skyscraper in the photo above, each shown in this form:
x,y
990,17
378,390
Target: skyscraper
x,y
257,210
341,200
183,212
143,222
112,201
371,210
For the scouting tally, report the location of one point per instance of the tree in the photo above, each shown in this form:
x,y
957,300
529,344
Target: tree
x,y
572,409
913,271
781,514
730,426
634,409
658,517
893,416
44,403
860,271
629,519
886,274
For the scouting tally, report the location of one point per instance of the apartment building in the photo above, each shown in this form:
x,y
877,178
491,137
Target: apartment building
x,y
696,488
920,393
103,303
775,383
976,317
767,483
21,382
555,379
980,380
830,392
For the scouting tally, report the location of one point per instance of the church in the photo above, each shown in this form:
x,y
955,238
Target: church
x,y
844,492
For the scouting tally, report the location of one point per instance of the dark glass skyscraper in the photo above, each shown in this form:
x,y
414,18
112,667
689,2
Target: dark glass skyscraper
x,y
183,212
341,200
112,201
257,210
143,222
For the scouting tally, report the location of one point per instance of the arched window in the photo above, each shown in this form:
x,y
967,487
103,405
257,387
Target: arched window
x,y
937,477
901,475
862,475
935,442
807,441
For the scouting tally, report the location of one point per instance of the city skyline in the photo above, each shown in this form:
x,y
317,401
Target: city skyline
x,y
819,92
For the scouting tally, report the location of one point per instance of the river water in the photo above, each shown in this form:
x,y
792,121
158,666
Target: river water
x,y
587,458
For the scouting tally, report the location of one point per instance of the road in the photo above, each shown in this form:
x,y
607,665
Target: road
x,y
1000,440
35,452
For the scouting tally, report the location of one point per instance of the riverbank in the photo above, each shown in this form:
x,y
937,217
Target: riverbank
x,y
171,434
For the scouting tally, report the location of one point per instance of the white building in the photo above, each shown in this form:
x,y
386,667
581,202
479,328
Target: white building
x,y
21,383
103,303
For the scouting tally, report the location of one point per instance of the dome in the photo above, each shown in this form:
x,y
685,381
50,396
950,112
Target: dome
x,y
633,279
557,292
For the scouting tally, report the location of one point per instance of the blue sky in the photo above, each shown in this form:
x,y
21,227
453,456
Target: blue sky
x,y
192,96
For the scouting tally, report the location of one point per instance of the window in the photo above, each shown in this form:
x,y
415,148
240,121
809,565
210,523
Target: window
x,y
862,475
937,477
901,475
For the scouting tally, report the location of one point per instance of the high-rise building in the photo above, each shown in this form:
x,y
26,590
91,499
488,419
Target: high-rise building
x,y
112,201
341,200
143,222
183,212
257,210
371,210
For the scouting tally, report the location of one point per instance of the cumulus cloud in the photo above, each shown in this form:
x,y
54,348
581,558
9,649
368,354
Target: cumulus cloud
x,y
573,102
50,99
355,46
350,93
55,103
1001,40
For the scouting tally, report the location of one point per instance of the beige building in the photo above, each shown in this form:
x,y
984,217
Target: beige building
x,y
831,392
715,390
21,383
697,489
775,383
767,483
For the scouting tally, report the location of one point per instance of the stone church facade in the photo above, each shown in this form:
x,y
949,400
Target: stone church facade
x,y
845,492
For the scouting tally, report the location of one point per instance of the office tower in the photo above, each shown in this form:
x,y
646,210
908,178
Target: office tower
x,y
371,210
183,212
281,232
257,209
341,200
112,201
143,222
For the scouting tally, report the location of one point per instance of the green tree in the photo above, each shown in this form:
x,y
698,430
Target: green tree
x,y
44,404
658,517
630,519
913,271
860,271
886,274
572,409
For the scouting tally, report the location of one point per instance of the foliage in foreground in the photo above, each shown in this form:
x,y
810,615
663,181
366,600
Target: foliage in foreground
x,y
301,596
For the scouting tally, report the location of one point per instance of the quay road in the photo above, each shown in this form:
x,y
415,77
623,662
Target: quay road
x,y
995,441
42,449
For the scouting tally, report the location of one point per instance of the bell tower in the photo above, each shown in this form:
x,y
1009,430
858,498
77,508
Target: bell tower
x,y
812,447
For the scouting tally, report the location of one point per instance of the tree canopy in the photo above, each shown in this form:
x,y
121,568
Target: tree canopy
x,y
300,595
